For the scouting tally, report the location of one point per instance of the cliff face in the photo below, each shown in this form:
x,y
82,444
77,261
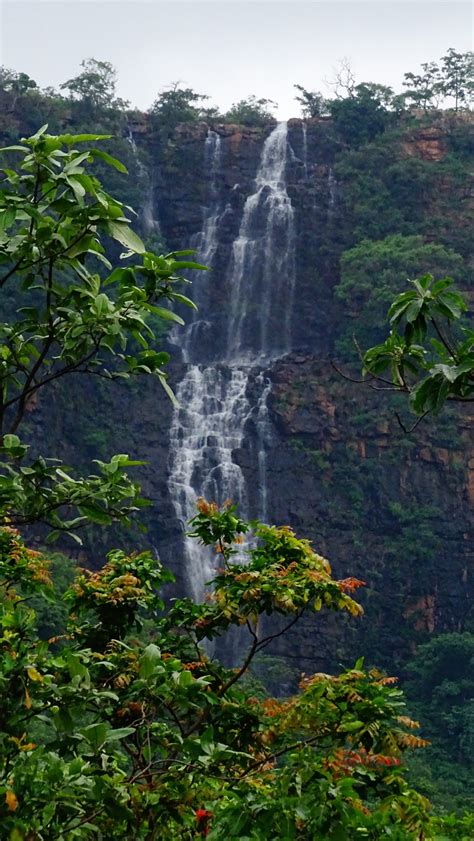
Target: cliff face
x,y
308,448
183,178
392,508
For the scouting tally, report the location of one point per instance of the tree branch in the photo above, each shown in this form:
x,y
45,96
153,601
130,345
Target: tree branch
x,y
267,640
443,339
413,427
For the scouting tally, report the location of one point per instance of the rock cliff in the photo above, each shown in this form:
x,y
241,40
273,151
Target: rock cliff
x,y
315,451
392,508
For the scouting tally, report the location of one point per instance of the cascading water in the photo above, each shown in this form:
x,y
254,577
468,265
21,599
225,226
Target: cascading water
x,y
304,129
208,236
205,243
147,215
208,428
264,437
262,270
332,187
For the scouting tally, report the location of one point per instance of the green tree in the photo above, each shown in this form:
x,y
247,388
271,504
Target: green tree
x,y
96,86
451,79
78,316
176,105
424,89
362,115
441,685
18,86
457,78
433,361
371,273
18,83
113,735
251,111
312,103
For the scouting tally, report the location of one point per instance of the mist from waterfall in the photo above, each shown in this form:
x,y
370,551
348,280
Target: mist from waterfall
x,y
208,427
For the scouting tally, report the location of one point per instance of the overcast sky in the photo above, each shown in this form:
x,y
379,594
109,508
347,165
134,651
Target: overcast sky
x,y
230,49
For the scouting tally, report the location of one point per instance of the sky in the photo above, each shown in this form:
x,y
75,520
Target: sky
x,y
229,50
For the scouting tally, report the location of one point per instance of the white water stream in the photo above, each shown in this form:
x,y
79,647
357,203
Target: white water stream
x,y
149,221
208,428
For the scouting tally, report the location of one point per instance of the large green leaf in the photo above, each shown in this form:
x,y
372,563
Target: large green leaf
x,y
124,234
109,159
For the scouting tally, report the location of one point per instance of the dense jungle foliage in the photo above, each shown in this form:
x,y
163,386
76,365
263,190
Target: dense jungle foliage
x,y
109,718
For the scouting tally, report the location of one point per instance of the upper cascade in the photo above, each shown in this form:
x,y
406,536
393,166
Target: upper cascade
x,y
150,223
207,238
261,274
206,243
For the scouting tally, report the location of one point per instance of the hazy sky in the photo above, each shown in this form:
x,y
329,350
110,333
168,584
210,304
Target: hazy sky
x,y
230,49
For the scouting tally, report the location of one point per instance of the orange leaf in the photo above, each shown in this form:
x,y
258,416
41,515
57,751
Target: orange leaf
x,y
34,674
11,800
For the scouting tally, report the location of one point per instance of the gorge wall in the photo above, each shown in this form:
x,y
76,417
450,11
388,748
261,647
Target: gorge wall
x,y
264,418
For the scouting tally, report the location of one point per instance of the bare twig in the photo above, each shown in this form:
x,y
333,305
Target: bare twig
x,y
413,427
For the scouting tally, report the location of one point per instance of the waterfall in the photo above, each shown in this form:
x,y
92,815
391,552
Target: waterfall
x,y
262,270
150,223
205,243
264,436
332,188
208,237
208,424
304,128
208,428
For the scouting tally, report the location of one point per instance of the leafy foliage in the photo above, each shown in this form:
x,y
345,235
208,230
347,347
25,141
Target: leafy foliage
x,y
428,362
96,85
176,105
17,83
453,80
79,316
251,112
110,734
440,691
442,686
362,116
371,273
312,103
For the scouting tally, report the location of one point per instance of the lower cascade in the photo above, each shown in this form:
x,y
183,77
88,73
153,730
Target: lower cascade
x,y
208,426
207,429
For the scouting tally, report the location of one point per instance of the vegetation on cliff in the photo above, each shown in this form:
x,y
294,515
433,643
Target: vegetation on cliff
x,y
433,361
